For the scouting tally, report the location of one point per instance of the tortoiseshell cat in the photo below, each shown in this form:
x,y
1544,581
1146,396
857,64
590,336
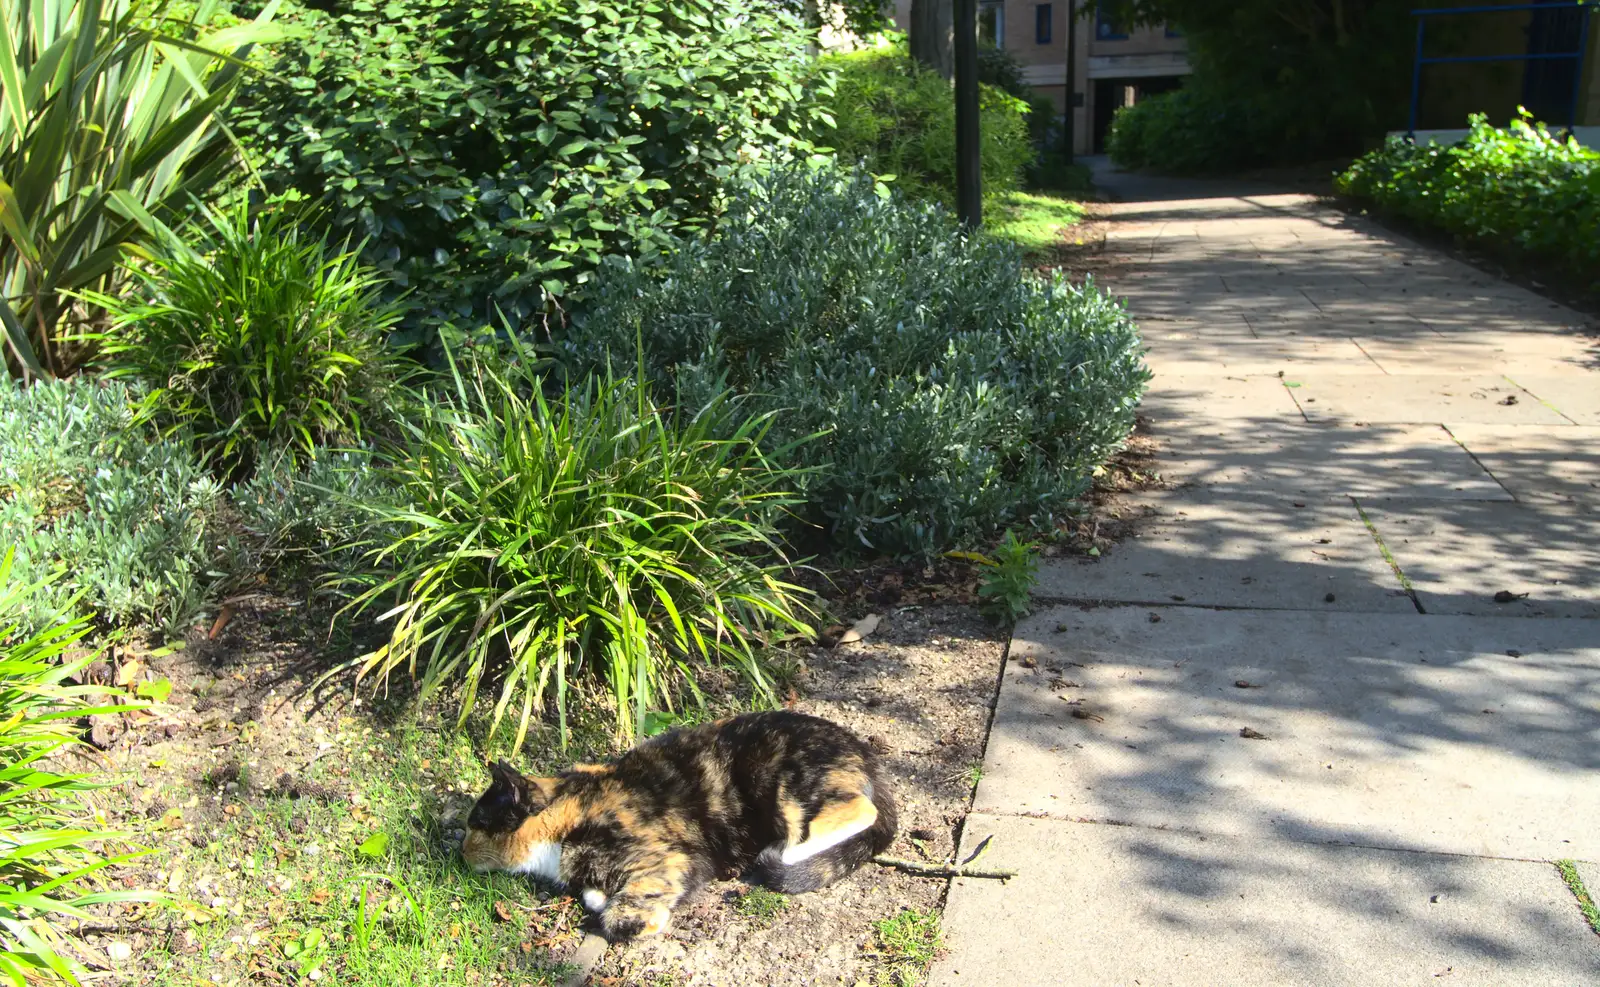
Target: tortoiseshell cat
x,y
795,799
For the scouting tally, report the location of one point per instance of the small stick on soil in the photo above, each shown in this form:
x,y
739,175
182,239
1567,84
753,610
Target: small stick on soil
x,y
941,870
588,956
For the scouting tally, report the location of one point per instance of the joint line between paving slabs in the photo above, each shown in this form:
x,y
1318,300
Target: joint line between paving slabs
x,y
1095,603
1388,556
1357,344
1474,457
1539,399
1574,881
988,732
1287,389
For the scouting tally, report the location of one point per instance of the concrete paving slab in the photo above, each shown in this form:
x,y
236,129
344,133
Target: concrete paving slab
x,y
1537,462
1542,318
1511,353
1239,549
1469,735
1325,461
1287,279
1271,327
1418,398
1115,905
1204,397
1458,555
1185,352
1578,398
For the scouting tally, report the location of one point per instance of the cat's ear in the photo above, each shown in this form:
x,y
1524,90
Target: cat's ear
x,y
508,784
530,795
539,792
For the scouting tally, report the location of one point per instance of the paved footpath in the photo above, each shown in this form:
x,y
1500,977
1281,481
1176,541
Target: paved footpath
x,y
1288,735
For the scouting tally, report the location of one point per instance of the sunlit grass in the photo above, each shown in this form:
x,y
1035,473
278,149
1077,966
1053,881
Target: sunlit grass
x,y
1035,221
363,887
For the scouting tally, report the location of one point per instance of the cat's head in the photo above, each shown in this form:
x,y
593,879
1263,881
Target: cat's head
x,y
497,838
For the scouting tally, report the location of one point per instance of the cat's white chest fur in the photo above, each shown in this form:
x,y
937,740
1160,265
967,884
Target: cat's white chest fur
x,y
543,861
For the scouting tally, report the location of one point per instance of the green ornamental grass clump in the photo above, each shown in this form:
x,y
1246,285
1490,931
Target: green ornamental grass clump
x,y
48,858
255,336
537,545
1518,190
954,393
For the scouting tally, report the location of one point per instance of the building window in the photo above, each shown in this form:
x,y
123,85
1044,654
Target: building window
x,y
992,23
1042,17
1105,29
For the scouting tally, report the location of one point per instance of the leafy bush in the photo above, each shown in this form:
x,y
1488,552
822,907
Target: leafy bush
x,y
899,119
1518,190
1185,131
108,126
313,512
134,520
1053,174
46,858
1000,68
541,541
261,337
955,393
492,152
1008,579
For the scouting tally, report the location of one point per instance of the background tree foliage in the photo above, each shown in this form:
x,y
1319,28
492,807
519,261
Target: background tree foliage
x,y
1274,81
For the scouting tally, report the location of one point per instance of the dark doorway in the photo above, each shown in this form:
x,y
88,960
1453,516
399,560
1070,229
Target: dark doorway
x,y
1111,95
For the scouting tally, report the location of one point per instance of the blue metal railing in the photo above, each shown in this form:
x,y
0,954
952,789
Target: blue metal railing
x,y
1575,56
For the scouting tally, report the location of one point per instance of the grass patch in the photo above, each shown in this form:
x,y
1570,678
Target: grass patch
x,y
761,905
1586,905
1035,221
359,885
908,942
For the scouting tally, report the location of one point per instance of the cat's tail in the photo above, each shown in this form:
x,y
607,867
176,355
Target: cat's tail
x,y
830,865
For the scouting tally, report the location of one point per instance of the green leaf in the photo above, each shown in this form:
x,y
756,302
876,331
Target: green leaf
x,y
374,845
156,690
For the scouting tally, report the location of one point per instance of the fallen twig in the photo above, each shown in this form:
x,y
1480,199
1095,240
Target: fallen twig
x,y
590,952
942,870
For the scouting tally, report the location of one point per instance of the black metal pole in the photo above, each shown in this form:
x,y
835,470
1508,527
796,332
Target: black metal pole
x,y
969,179
1069,124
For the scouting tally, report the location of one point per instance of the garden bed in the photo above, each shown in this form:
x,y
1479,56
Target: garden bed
x,y
255,791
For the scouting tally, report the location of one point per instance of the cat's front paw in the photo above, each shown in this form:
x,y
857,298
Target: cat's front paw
x,y
624,921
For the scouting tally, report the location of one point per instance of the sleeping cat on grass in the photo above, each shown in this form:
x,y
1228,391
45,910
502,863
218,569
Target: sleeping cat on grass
x,y
796,801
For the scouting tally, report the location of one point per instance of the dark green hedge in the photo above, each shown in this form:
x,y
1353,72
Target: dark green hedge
x,y
491,152
1518,191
